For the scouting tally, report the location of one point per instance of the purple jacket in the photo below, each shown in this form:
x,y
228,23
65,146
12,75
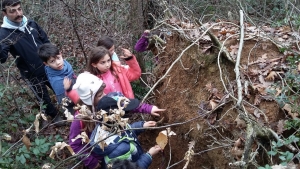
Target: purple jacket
x,y
142,43
75,129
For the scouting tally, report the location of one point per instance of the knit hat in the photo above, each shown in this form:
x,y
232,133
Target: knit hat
x,y
110,101
87,86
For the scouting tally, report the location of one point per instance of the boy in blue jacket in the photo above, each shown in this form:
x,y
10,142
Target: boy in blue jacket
x,y
57,69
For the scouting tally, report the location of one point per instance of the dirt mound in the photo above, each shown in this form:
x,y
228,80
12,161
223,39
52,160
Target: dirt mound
x,y
196,89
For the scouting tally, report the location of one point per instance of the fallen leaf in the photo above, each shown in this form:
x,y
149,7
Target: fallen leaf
x,y
206,48
278,92
36,122
237,152
212,118
69,116
254,72
26,142
264,46
6,137
285,36
206,37
252,28
198,126
168,132
163,136
223,32
238,143
58,147
272,75
162,140
83,136
240,123
280,126
280,39
213,104
208,87
288,108
256,113
173,20
234,49
257,99
47,166
191,145
268,29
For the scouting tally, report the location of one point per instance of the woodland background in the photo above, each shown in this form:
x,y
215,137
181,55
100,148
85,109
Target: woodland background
x,y
195,79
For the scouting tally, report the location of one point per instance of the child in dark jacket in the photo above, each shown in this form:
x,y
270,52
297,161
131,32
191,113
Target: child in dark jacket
x,y
90,91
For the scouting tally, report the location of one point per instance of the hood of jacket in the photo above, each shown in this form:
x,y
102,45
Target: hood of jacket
x,y
13,25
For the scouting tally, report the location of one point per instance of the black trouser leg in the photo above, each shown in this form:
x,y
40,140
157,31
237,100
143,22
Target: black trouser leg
x,y
39,86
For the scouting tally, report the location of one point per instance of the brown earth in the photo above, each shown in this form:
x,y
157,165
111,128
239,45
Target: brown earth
x,y
191,84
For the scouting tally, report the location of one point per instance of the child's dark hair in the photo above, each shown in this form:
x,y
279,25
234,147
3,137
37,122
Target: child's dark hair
x,y
6,3
95,55
47,51
106,42
123,164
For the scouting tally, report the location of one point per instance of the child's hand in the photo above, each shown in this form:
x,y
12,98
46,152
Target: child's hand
x,y
155,110
149,124
154,150
67,83
147,31
126,53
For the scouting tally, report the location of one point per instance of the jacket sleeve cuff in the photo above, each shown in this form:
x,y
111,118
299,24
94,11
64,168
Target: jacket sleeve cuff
x,y
128,58
68,90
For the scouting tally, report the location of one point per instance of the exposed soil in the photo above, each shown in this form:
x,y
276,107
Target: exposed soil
x,y
185,89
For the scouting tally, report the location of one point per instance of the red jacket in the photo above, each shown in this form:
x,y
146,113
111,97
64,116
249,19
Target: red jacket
x,y
126,74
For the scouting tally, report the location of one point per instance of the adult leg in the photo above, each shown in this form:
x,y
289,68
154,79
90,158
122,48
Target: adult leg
x,y
38,86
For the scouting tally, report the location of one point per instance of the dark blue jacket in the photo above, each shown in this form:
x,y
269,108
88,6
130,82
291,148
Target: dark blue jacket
x,y
25,47
119,148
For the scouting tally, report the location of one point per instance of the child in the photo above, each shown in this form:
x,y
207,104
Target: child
x,y
56,68
90,91
126,145
147,41
108,43
142,43
116,77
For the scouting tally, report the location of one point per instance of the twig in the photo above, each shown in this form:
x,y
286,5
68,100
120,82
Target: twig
x,y
238,59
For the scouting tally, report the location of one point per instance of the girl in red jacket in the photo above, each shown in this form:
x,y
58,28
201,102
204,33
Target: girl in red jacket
x,y
116,77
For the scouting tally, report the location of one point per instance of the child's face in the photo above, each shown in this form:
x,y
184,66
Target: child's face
x,y
98,96
111,50
103,64
55,62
